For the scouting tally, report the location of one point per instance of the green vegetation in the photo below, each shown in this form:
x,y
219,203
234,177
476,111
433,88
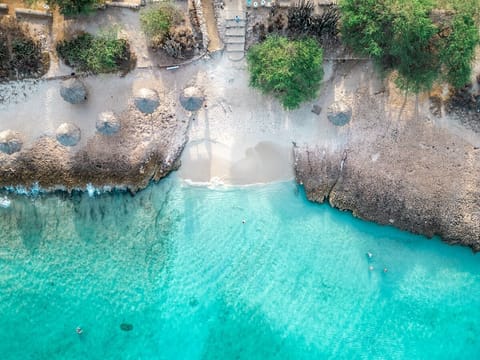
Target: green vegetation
x,y
157,21
459,50
291,70
20,55
415,38
98,54
164,26
74,7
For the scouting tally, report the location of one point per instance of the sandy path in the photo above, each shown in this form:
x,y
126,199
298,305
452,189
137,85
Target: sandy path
x,y
214,42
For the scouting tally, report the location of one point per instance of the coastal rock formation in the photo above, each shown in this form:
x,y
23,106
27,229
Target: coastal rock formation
x,y
73,91
146,100
339,113
191,99
10,142
68,134
107,123
145,149
398,168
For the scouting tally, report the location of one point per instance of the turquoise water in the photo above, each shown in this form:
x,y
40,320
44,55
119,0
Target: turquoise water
x,y
177,263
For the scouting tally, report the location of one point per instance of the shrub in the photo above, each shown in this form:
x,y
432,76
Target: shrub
x,y
20,54
404,35
291,70
101,54
74,7
179,43
157,21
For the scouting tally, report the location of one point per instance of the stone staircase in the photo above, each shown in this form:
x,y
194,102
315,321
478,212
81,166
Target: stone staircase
x,y
235,32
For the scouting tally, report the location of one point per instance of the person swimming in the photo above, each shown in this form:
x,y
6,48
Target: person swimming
x,y
369,255
79,330
370,268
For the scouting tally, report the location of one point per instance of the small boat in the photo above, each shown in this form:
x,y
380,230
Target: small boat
x,y
5,202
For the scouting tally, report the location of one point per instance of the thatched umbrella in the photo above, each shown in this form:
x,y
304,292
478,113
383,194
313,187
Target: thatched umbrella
x,y
339,113
146,100
73,91
192,99
10,142
68,134
107,123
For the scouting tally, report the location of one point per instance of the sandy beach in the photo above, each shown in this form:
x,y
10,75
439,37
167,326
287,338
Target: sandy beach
x,y
239,137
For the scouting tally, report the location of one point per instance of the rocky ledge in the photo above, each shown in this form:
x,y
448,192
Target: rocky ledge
x,y
399,166
143,148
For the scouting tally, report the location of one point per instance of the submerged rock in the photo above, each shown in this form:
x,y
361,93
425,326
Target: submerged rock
x,y
126,327
192,99
10,142
339,113
68,134
73,91
107,123
146,100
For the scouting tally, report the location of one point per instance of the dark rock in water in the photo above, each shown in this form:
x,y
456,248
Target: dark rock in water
x,y
68,134
126,327
73,91
339,113
146,100
192,99
107,123
10,142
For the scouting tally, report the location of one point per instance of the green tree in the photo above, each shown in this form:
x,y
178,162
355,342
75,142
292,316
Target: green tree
x,y
74,7
458,51
405,35
290,70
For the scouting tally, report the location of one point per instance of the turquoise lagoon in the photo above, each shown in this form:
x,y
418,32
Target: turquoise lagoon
x,y
177,263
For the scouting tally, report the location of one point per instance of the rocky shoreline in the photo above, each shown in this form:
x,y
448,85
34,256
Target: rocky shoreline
x,y
398,167
393,162
146,148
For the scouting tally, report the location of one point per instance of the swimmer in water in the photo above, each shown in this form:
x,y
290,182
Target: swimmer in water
x,y
79,330
370,268
244,221
385,270
369,255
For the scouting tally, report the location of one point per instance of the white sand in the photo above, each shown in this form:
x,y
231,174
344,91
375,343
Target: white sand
x,y
240,137
244,137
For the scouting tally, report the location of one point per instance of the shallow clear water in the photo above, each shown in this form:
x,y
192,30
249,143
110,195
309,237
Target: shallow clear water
x,y
178,264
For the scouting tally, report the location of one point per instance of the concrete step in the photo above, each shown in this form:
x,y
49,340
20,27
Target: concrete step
x,y
236,56
238,47
231,23
234,40
235,31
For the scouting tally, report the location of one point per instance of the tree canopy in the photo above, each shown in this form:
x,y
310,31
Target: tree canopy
x,y
74,7
424,40
290,70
